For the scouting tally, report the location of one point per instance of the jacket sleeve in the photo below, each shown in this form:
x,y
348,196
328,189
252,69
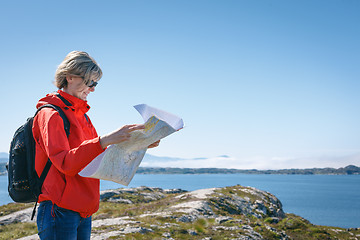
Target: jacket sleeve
x,y
49,133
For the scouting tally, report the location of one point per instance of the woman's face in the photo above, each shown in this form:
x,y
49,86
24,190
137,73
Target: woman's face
x,y
77,88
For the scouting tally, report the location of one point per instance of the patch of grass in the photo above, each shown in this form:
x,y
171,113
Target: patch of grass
x,y
298,228
341,233
110,209
14,207
113,209
315,229
293,222
237,190
200,225
211,221
266,233
17,230
268,220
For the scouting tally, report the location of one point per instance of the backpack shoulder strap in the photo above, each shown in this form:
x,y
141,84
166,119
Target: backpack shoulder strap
x,y
61,113
67,103
86,117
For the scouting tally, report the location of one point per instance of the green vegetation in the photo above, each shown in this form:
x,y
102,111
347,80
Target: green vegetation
x,y
14,207
17,230
225,213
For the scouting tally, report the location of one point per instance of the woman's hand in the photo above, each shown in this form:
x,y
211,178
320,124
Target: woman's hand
x,y
120,135
155,144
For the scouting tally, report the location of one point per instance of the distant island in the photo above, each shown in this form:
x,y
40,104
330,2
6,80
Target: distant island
x,y
348,170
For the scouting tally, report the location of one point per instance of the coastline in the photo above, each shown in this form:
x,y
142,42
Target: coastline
x,y
348,170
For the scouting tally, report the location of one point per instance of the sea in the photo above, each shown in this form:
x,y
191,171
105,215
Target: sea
x,y
330,200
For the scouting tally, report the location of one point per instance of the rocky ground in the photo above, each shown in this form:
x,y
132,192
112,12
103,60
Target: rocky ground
x,y
235,212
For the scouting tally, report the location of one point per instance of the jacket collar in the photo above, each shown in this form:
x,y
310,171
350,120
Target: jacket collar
x,y
73,102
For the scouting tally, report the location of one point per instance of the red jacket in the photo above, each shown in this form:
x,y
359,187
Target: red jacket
x,y
63,186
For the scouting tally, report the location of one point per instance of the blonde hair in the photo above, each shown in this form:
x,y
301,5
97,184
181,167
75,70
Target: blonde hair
x,y
79,64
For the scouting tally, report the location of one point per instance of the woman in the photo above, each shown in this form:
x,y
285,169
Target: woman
x,y
68,200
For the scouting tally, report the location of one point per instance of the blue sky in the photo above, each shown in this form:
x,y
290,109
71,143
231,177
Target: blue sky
x,y
271,84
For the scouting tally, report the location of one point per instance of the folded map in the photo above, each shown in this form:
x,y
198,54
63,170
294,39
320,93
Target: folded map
x,y
119,162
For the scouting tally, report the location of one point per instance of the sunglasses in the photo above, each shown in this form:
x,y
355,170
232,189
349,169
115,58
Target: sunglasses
x,y
92,84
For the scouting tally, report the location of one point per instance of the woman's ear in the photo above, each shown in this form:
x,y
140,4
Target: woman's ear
x,y
69,78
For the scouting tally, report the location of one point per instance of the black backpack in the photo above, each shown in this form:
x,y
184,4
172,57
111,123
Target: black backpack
x,y
24,184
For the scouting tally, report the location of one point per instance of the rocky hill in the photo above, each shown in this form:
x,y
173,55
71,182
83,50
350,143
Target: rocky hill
x,y
234,212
